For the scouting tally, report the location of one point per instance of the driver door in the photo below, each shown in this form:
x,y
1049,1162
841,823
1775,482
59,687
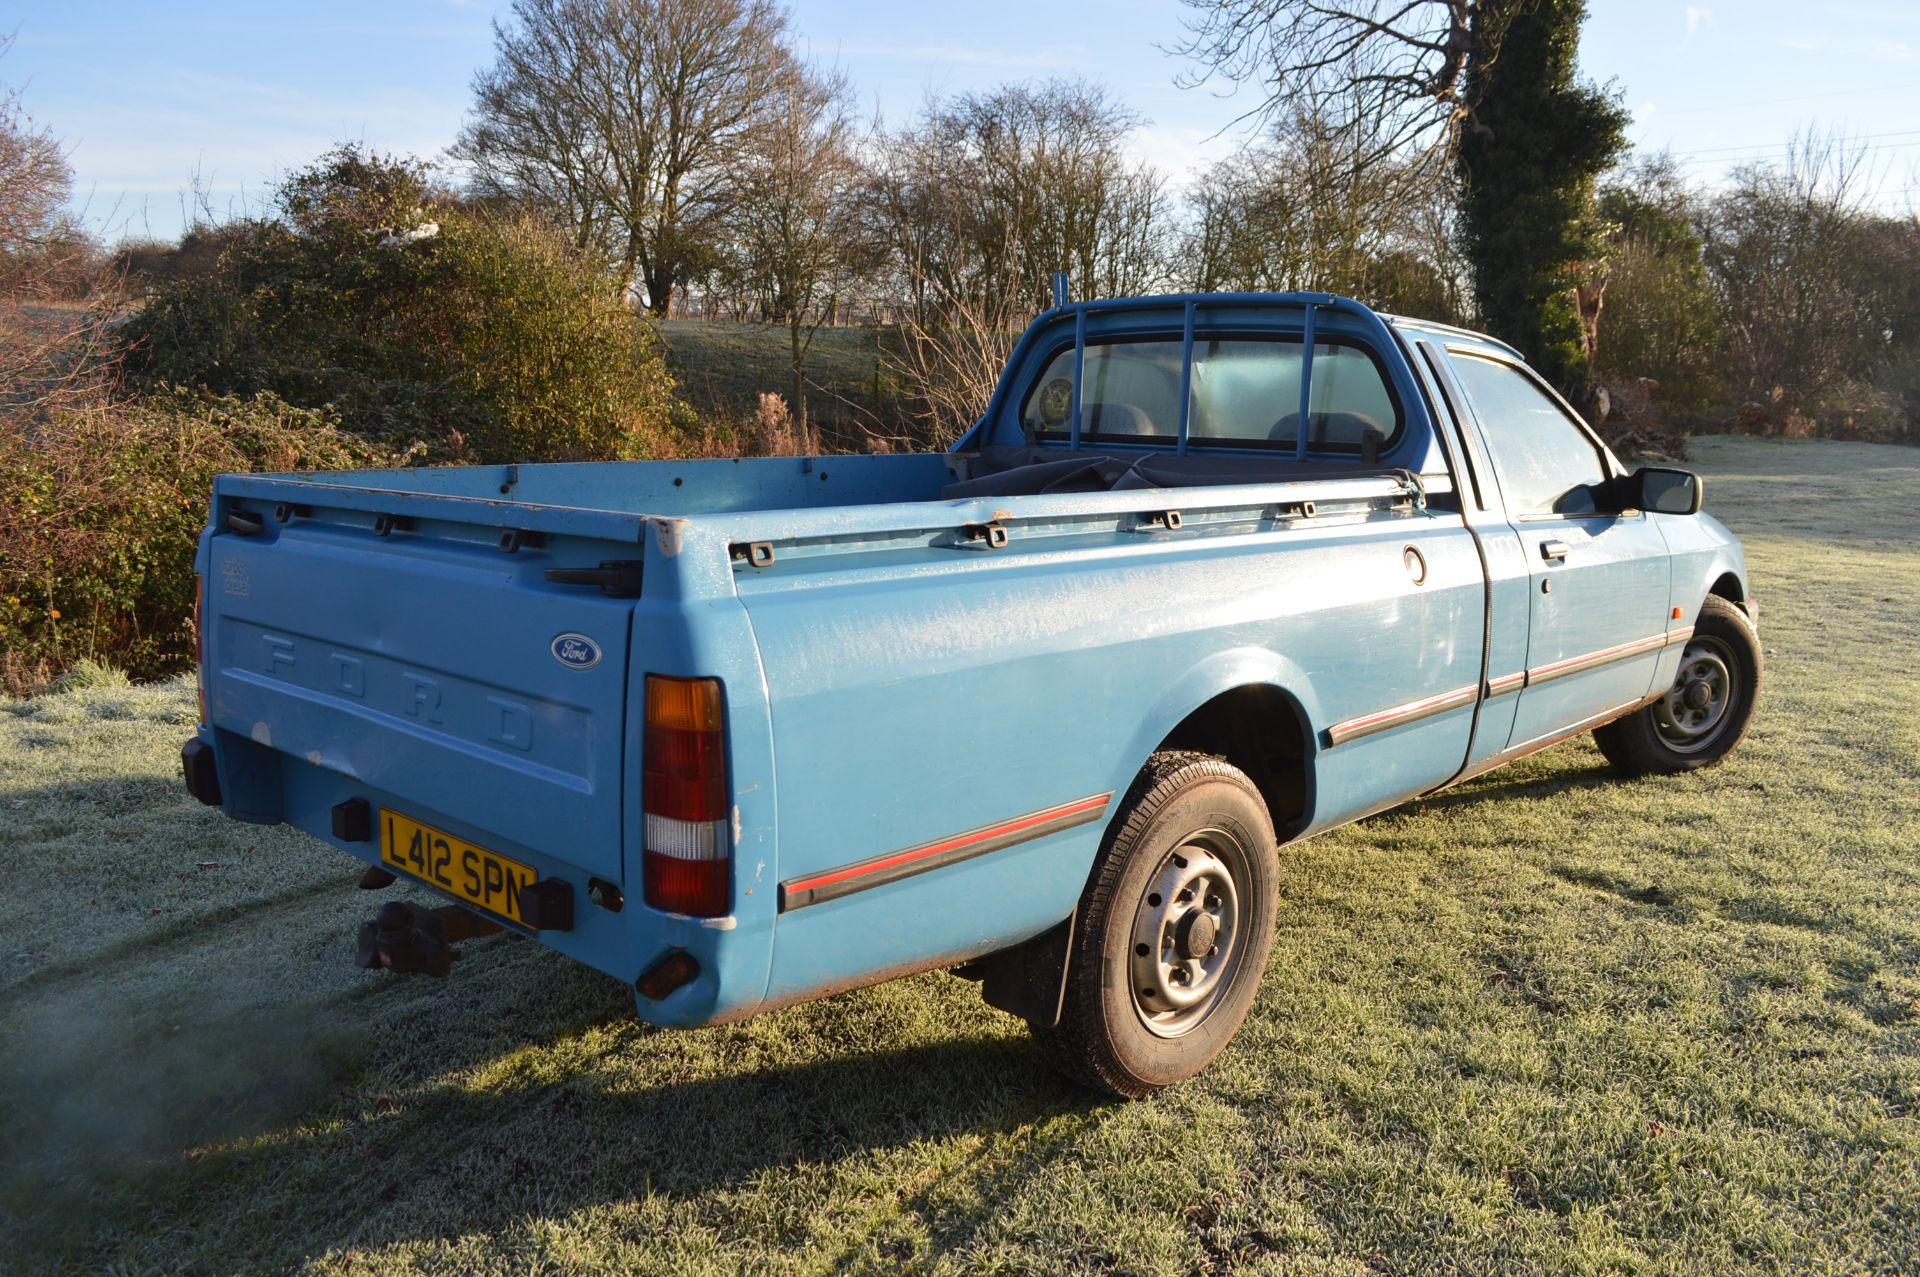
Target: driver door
x,y
1601,581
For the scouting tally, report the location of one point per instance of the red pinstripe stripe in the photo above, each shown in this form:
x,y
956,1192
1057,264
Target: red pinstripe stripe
x,y
1618,650
1507,682
1411,707
972,836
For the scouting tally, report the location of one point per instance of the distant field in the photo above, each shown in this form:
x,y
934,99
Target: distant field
x,y
728,366
1552,1022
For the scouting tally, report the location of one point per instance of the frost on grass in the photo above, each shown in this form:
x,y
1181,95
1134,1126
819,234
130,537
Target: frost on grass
x,y
91,693
111,1086
1551,1022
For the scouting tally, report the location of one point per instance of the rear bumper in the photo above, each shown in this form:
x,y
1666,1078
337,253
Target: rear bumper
x,y
622,937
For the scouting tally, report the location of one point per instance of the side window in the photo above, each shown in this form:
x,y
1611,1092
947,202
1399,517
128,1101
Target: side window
x,y
1546,463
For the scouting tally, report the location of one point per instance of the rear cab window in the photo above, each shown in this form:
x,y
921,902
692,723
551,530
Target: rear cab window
x,y
1243,392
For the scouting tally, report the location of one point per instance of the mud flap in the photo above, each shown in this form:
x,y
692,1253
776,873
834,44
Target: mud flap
x,y
1030,979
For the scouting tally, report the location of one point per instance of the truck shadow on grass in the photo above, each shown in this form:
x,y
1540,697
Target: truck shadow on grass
x,y
194,1075
255,1122
260,1134
1524,781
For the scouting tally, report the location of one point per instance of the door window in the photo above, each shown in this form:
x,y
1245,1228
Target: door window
x,y
1546,462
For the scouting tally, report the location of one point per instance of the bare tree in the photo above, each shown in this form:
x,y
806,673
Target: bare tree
x,y
1407,58
529,137
51,351
35,181
625,119
794,231
1803,296
1314,205
1494,85
1660,320
981,201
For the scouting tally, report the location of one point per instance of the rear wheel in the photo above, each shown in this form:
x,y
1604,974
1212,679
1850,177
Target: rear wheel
x,y
1173,930
1706,712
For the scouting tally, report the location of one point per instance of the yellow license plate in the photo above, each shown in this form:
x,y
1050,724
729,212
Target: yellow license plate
x,y
480,877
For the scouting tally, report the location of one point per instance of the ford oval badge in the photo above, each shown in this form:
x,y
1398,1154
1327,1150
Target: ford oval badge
x,y
576,651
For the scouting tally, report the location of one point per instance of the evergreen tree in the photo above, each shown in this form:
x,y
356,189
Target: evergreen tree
x,y
1528,161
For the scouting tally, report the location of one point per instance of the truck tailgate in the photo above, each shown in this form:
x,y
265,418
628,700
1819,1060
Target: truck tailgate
x,y
419,663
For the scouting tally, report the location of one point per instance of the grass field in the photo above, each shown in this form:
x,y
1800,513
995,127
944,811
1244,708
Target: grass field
x,y
1551,1022
724,367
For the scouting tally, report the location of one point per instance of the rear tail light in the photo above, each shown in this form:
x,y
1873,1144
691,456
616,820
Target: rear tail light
x,y
685,862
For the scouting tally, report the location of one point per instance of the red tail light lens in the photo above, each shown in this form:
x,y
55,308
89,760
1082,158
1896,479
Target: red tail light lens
x,y
697,888
685,862
686,774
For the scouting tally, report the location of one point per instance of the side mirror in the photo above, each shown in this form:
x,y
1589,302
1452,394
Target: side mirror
x,y
1661,490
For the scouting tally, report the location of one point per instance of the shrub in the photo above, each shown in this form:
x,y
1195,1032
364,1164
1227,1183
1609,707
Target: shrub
x,y
1660,319
148,264
1815,291
100,506
1900,384
481,334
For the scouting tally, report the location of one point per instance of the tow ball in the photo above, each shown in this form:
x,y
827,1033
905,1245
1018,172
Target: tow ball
x,y
405,937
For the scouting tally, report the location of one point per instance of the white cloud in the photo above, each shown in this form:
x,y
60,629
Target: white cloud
x,y
1892,51
1181,153
1699,18
1644,112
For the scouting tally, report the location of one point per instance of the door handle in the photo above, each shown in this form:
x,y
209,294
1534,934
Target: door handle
x,y
1553,551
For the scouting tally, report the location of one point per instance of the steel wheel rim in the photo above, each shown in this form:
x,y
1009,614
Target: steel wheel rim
x,y
1179,965
1699,705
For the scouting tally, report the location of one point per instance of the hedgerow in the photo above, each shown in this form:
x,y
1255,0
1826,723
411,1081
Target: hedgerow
x,y
479,334
100,506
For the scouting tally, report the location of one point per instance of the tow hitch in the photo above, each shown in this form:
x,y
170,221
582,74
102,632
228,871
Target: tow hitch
x,y
405,937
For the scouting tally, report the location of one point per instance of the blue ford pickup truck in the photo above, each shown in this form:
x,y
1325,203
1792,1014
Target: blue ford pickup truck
x,y
1212,574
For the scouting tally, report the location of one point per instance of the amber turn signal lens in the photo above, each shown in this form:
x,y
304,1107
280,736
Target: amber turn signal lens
x,y
666,975
692,704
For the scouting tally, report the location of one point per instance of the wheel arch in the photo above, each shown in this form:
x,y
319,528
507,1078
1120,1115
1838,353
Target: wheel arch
x,y
1729,586
1223,707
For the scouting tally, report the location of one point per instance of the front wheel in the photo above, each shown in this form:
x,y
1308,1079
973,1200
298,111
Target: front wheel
x,y
1706,712
1173,930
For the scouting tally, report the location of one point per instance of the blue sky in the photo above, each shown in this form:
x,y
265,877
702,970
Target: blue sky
x,y
238,91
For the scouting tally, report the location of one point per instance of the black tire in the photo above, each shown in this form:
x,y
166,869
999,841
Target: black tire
x,y
1192,837
1706,714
